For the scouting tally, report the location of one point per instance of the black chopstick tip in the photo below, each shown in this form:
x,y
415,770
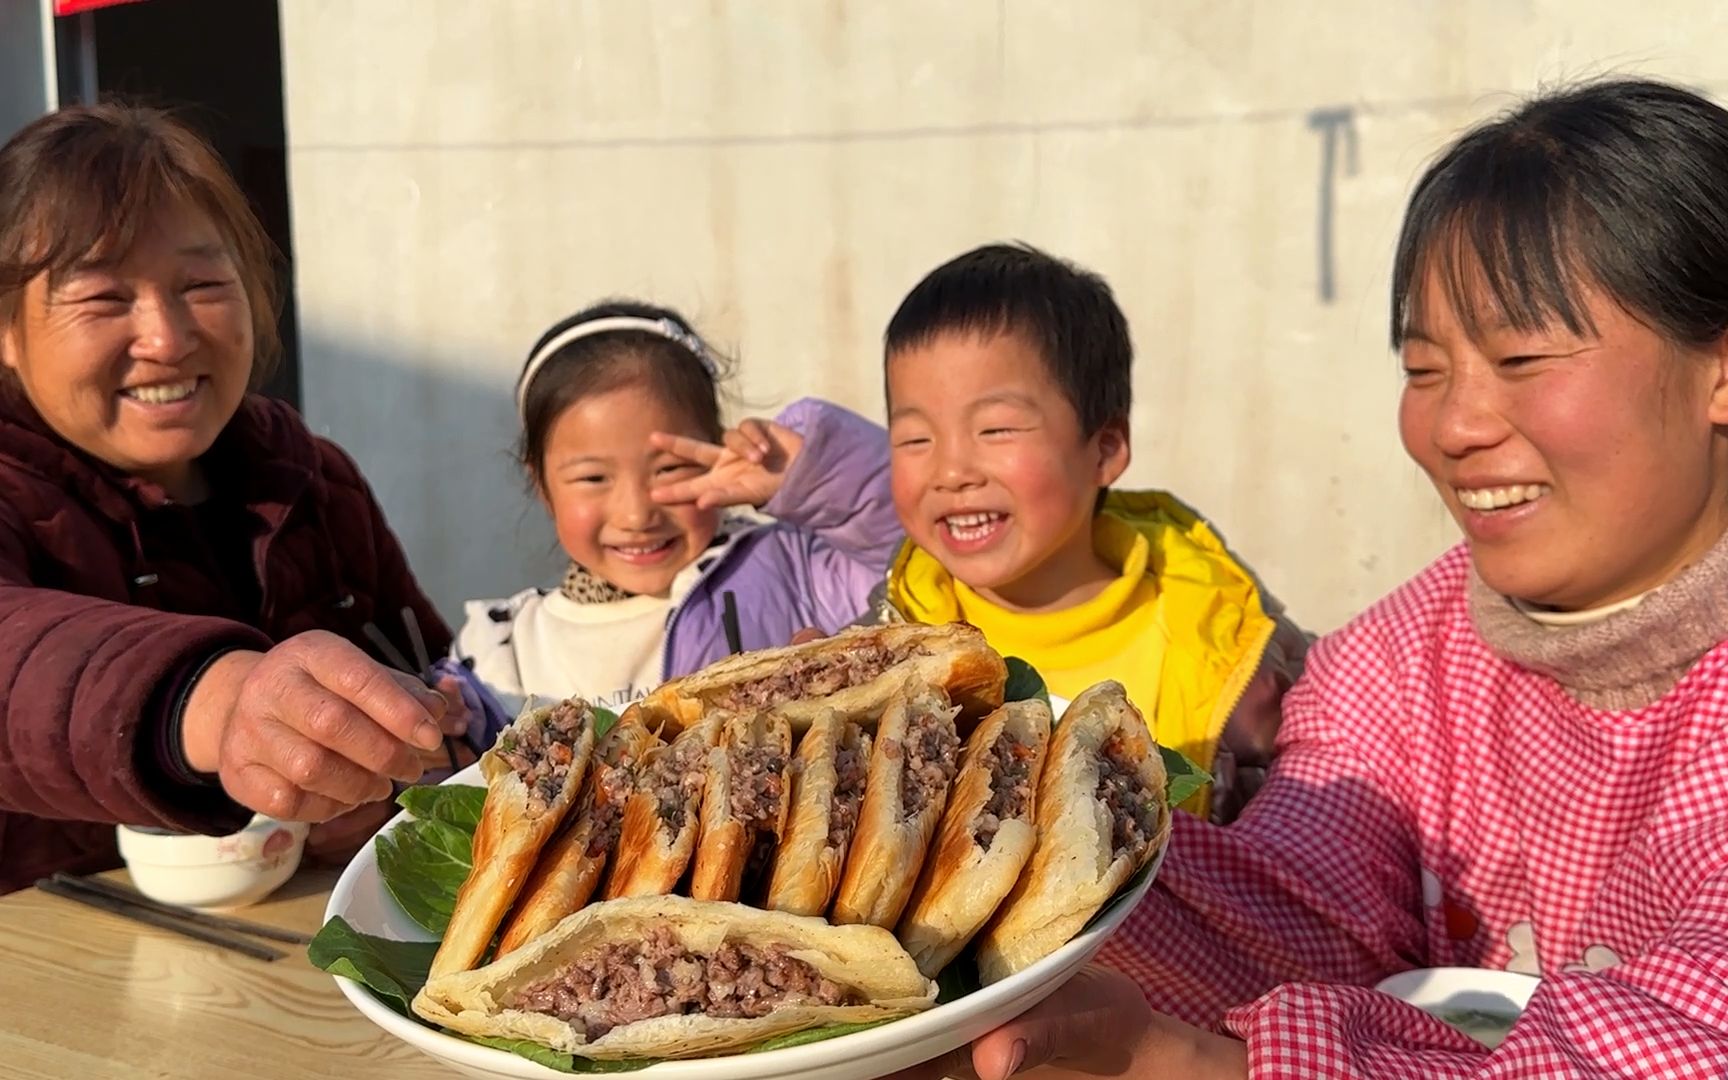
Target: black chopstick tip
x,y
729,622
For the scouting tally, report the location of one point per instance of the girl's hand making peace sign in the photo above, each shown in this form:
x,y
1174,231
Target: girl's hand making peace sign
x,y
745,469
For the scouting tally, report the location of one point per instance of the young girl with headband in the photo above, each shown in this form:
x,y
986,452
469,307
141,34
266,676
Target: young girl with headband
x,y
623,444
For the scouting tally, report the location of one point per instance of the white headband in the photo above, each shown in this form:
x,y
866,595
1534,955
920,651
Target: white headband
x,y
665,328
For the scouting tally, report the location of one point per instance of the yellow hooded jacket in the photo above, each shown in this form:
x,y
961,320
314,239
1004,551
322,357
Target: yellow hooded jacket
x,y
1183,629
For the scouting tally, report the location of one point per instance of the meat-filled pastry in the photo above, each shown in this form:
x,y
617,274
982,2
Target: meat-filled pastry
x,y
827,792
658,832
912,763
569,871
670,977
856,672
533,774
744,807
986,836
1101,818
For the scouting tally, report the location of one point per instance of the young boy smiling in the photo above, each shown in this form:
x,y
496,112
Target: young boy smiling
x,y
1009,388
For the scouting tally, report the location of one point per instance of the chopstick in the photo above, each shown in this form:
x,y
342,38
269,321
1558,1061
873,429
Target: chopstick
x,y
390,651
128,895
416,639
208,935
394,657
421,656
729,621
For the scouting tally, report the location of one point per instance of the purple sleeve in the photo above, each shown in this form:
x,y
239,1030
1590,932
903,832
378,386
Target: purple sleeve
x,y
837,492
486,714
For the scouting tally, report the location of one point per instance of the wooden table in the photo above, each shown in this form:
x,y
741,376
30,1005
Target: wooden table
x,y
91,995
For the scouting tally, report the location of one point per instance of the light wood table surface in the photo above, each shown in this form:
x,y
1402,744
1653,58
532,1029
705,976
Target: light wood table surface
x,y
89,995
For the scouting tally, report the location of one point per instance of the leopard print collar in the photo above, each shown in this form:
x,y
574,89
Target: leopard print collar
x,y
583,586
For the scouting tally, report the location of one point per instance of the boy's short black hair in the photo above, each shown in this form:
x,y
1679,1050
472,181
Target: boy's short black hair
x,y
1069,314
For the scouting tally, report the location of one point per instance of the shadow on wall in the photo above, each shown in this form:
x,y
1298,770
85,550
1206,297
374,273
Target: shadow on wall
x,y
435,444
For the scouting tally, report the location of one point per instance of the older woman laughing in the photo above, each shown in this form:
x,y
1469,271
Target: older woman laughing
x,y
186,572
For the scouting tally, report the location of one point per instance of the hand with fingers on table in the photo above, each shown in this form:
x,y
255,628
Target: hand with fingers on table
x,y
313,728
746,468
1096,1024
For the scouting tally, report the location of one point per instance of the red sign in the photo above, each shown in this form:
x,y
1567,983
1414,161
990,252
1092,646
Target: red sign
x,y
73,7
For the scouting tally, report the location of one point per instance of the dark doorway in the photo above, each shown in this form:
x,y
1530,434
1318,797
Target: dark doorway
x,y
219,64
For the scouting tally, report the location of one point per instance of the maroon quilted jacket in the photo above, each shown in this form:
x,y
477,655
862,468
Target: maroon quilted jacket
x,y
110,595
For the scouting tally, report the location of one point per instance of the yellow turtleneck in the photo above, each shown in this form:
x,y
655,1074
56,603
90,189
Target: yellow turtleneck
x,y
1182,627
1114,635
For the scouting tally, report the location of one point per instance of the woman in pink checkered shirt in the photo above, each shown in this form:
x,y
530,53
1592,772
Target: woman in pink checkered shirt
x,y
1520,758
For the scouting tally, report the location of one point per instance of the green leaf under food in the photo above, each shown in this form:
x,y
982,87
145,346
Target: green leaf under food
x,y
1182,778
393,970
423,864
603,721
811,1035
1024,682
557,1059
958,979
453,804
568,1063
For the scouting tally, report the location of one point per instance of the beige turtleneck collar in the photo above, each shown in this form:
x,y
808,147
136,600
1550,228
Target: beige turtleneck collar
x,y
1550,617
1627,657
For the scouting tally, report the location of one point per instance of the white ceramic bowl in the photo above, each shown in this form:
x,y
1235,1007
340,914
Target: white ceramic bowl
x,y
214,872
1449,990
360,898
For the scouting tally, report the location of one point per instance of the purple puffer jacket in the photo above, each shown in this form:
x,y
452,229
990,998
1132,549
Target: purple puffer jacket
x,y
833,536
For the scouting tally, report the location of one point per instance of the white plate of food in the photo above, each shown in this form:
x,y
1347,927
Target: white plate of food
x,y
1013,981
360,898
1481,1002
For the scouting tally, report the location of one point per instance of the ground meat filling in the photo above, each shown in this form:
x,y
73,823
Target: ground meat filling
x,y
851,768
929,766
815,674
758,785
618,984
1010,764
613,787
758,789
1133,809
540,752
676,776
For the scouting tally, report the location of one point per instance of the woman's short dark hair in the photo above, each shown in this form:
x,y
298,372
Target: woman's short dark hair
x,y
82,182
1620,185
671,370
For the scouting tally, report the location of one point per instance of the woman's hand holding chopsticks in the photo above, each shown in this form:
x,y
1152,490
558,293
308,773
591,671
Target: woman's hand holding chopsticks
x,y
312,728
336,840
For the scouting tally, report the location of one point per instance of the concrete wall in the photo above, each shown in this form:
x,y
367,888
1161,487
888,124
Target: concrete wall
x,y
464,173
26,63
